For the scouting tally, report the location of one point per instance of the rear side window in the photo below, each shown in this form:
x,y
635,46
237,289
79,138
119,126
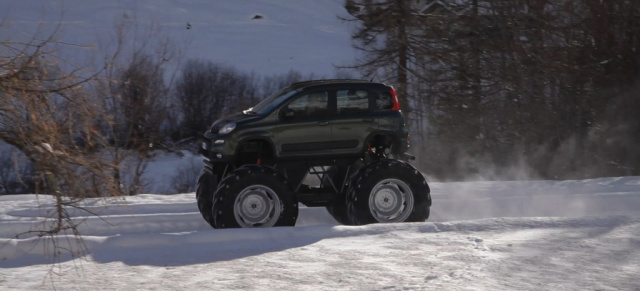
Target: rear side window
x,y
352,101
383,100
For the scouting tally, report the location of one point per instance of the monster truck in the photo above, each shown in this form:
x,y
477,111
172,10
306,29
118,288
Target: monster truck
x,y
339,144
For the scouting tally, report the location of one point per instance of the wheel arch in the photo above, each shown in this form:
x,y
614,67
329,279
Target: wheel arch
x,y
393,139
255,150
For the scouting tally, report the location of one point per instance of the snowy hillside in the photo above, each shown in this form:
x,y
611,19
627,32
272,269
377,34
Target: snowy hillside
x,y
536,235
303,35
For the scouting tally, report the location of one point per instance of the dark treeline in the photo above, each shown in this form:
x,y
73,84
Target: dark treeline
x,y
548,87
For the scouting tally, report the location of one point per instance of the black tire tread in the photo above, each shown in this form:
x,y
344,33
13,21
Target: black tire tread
x,y
204,196
338,210
363,182
245,176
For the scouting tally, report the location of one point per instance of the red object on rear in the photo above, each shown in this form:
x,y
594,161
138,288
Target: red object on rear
x,y
394,97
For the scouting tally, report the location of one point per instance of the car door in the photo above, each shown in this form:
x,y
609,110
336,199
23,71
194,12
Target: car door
x,y
304,125
352,123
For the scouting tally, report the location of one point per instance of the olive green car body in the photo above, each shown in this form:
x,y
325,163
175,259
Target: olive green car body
x,y
325,123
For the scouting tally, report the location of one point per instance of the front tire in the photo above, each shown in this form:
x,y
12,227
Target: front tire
x,y
254,196
388,191
204,195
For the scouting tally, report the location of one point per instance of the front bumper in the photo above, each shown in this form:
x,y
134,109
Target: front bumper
x,y
217,150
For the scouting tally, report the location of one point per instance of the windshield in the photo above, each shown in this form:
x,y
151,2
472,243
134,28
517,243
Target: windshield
x,y
266,105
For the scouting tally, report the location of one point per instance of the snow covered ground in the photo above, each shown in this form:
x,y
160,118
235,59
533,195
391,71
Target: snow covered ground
x,y
524,235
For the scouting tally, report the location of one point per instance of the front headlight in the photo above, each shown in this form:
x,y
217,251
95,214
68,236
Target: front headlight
x,y
227,128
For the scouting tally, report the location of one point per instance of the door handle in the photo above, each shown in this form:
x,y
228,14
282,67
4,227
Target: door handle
x,y
323,123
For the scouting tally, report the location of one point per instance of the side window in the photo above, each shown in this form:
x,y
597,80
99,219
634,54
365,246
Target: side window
x,y
352,101
383,100
312,104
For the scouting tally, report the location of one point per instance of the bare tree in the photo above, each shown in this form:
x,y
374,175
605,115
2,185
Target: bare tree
x,y
385,37
44,112
59,117
133,90
16,172
186,178
504,83
205,91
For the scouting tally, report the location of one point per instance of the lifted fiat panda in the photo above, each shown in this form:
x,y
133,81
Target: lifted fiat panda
x,y
339,144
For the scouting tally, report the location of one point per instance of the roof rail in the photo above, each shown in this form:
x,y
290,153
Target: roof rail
x,y
322,81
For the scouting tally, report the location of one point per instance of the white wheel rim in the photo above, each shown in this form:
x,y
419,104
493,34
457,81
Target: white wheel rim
x,y
257,206
391,200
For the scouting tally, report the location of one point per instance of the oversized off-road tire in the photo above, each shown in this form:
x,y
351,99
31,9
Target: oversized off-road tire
x,y
204,195
254,196
388,191
338,210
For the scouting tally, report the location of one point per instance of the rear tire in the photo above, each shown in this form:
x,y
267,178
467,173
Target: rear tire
x,y
254,196
338,210
388,191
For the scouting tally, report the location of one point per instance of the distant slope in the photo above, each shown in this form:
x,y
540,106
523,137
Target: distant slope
x,y
304,35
